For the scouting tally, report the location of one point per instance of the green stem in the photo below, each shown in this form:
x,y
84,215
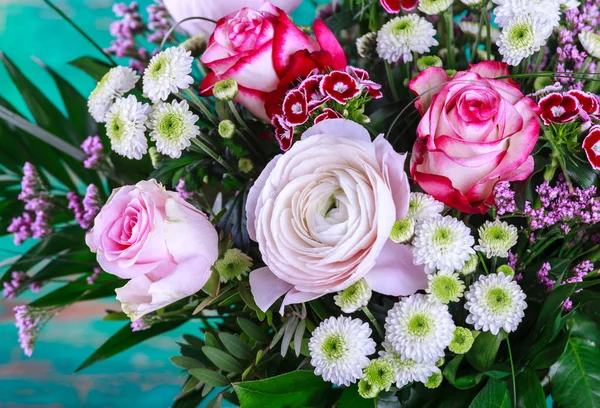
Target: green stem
x,y
477,38
237,117
212,154
80,31
390,76
488,36
494,261
482,260
449,37
374,321
200,105
512,369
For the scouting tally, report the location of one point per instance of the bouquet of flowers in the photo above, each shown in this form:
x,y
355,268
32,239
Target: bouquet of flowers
x,y
395,206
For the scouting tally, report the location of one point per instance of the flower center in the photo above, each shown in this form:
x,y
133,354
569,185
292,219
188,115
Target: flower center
x,y
521,35
557,111
498,300
171,126
419,325
340,87
445,286
297,108
117,128
497,234
158,68
334,347
443,236
404,25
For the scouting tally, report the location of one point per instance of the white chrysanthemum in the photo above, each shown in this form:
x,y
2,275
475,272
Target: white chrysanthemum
x,y
116,83
407,371
522,37
497,238
495,302
548,10
173,126
568,4
167,73
445,287
422,206
126,125
432,7
402,36
590,42
473,3
339,348
419,328
473,29
353,297
442,243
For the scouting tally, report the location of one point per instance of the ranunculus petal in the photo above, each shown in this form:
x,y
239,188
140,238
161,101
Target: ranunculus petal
x,y
294,297
266,288
392,166
339,127
395,273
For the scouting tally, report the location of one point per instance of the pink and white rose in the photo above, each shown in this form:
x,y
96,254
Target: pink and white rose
x,y
322,213
475,132
161,243
215,10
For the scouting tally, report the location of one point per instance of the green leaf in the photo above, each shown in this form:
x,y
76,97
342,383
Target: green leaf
x,y
223,360
575,377
247,297
584,327
211,340
77,291
185,362
216,403
234,220
190,384
493,395
125,338
550,353
236,346
91,66
351,399
253,331
297,389
210,377
211,287
530,393
484,351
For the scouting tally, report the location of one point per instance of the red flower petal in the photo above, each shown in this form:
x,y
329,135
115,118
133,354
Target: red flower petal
x,y
328,114
295,110
330,44
591,146
589,102
340,86
559,108
311,88
283,133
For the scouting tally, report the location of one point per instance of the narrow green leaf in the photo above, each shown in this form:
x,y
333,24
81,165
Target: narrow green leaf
x,y
351,399
211,340
236,346
190,384
253,331
484,351
91,66
210,377
247,297
493,395
185,362
530,393
216,403
211,288
223,360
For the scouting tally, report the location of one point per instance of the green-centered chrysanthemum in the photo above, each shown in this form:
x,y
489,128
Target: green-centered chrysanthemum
x,y
116,83
173,127
367,46
506,270
434,380
497,238
226,129
470,265
522,37
429,61
245,165
590,42
446,287
126,127
401,36
422,206
432,7
367,390
380,373
403,231
225,90
233,265
353,297
462,341
168,72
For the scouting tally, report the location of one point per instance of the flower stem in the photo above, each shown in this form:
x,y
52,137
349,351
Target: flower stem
x,y
512,369
212,154
374,321
449,37
200,105
488,37
390,76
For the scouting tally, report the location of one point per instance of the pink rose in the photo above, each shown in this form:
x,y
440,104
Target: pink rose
x,y
322,213
475,132
214,10
151,236
263,51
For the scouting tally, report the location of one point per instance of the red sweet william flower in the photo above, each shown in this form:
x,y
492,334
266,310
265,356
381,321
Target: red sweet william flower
x,y
310,87
559,108
295,110
589,102
328,114
591,146
283,132
339,86
364,81
394,6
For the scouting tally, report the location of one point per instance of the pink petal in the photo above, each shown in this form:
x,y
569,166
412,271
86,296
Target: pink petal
x,y
392,165
266,287
287,41
427,84
294,297
492,69
329,43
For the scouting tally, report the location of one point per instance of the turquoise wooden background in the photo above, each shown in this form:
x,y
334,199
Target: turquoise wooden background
x,y
142,376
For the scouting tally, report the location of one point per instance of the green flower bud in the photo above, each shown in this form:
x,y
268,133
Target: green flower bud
x,y
380,374
366,389
542,82
450,72
225,90
353,297
462,341
245,165
403,231
429,61
440,362
470,265
233,265
196,45
226,129
154,156
506,270
367,46
434,380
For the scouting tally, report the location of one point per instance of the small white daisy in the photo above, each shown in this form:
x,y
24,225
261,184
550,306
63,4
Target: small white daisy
x,y
495,302
173,126
433,7
548,10
339,348
126,125
116,83
407,371
443,243
497,238
402,36
590,42
422,206
522,37
353,297
419,328
167,73
445,287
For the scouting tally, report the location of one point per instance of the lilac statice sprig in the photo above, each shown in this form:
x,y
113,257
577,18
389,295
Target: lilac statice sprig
x,y
30,321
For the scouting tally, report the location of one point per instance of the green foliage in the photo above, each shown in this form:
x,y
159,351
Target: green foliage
x,y
493,395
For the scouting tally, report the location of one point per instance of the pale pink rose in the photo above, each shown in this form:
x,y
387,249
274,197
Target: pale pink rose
x,y
215,10
264,52
322,213
475,132
164,245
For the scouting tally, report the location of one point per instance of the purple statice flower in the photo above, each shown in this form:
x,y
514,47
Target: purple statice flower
x,y
158,22
180,188
125,29
94,276
76,206
543,276
567,305
85,211
35,287
580,271
140,325
505,198
20,227
512,260
92,146
11,287
30,183
29,322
